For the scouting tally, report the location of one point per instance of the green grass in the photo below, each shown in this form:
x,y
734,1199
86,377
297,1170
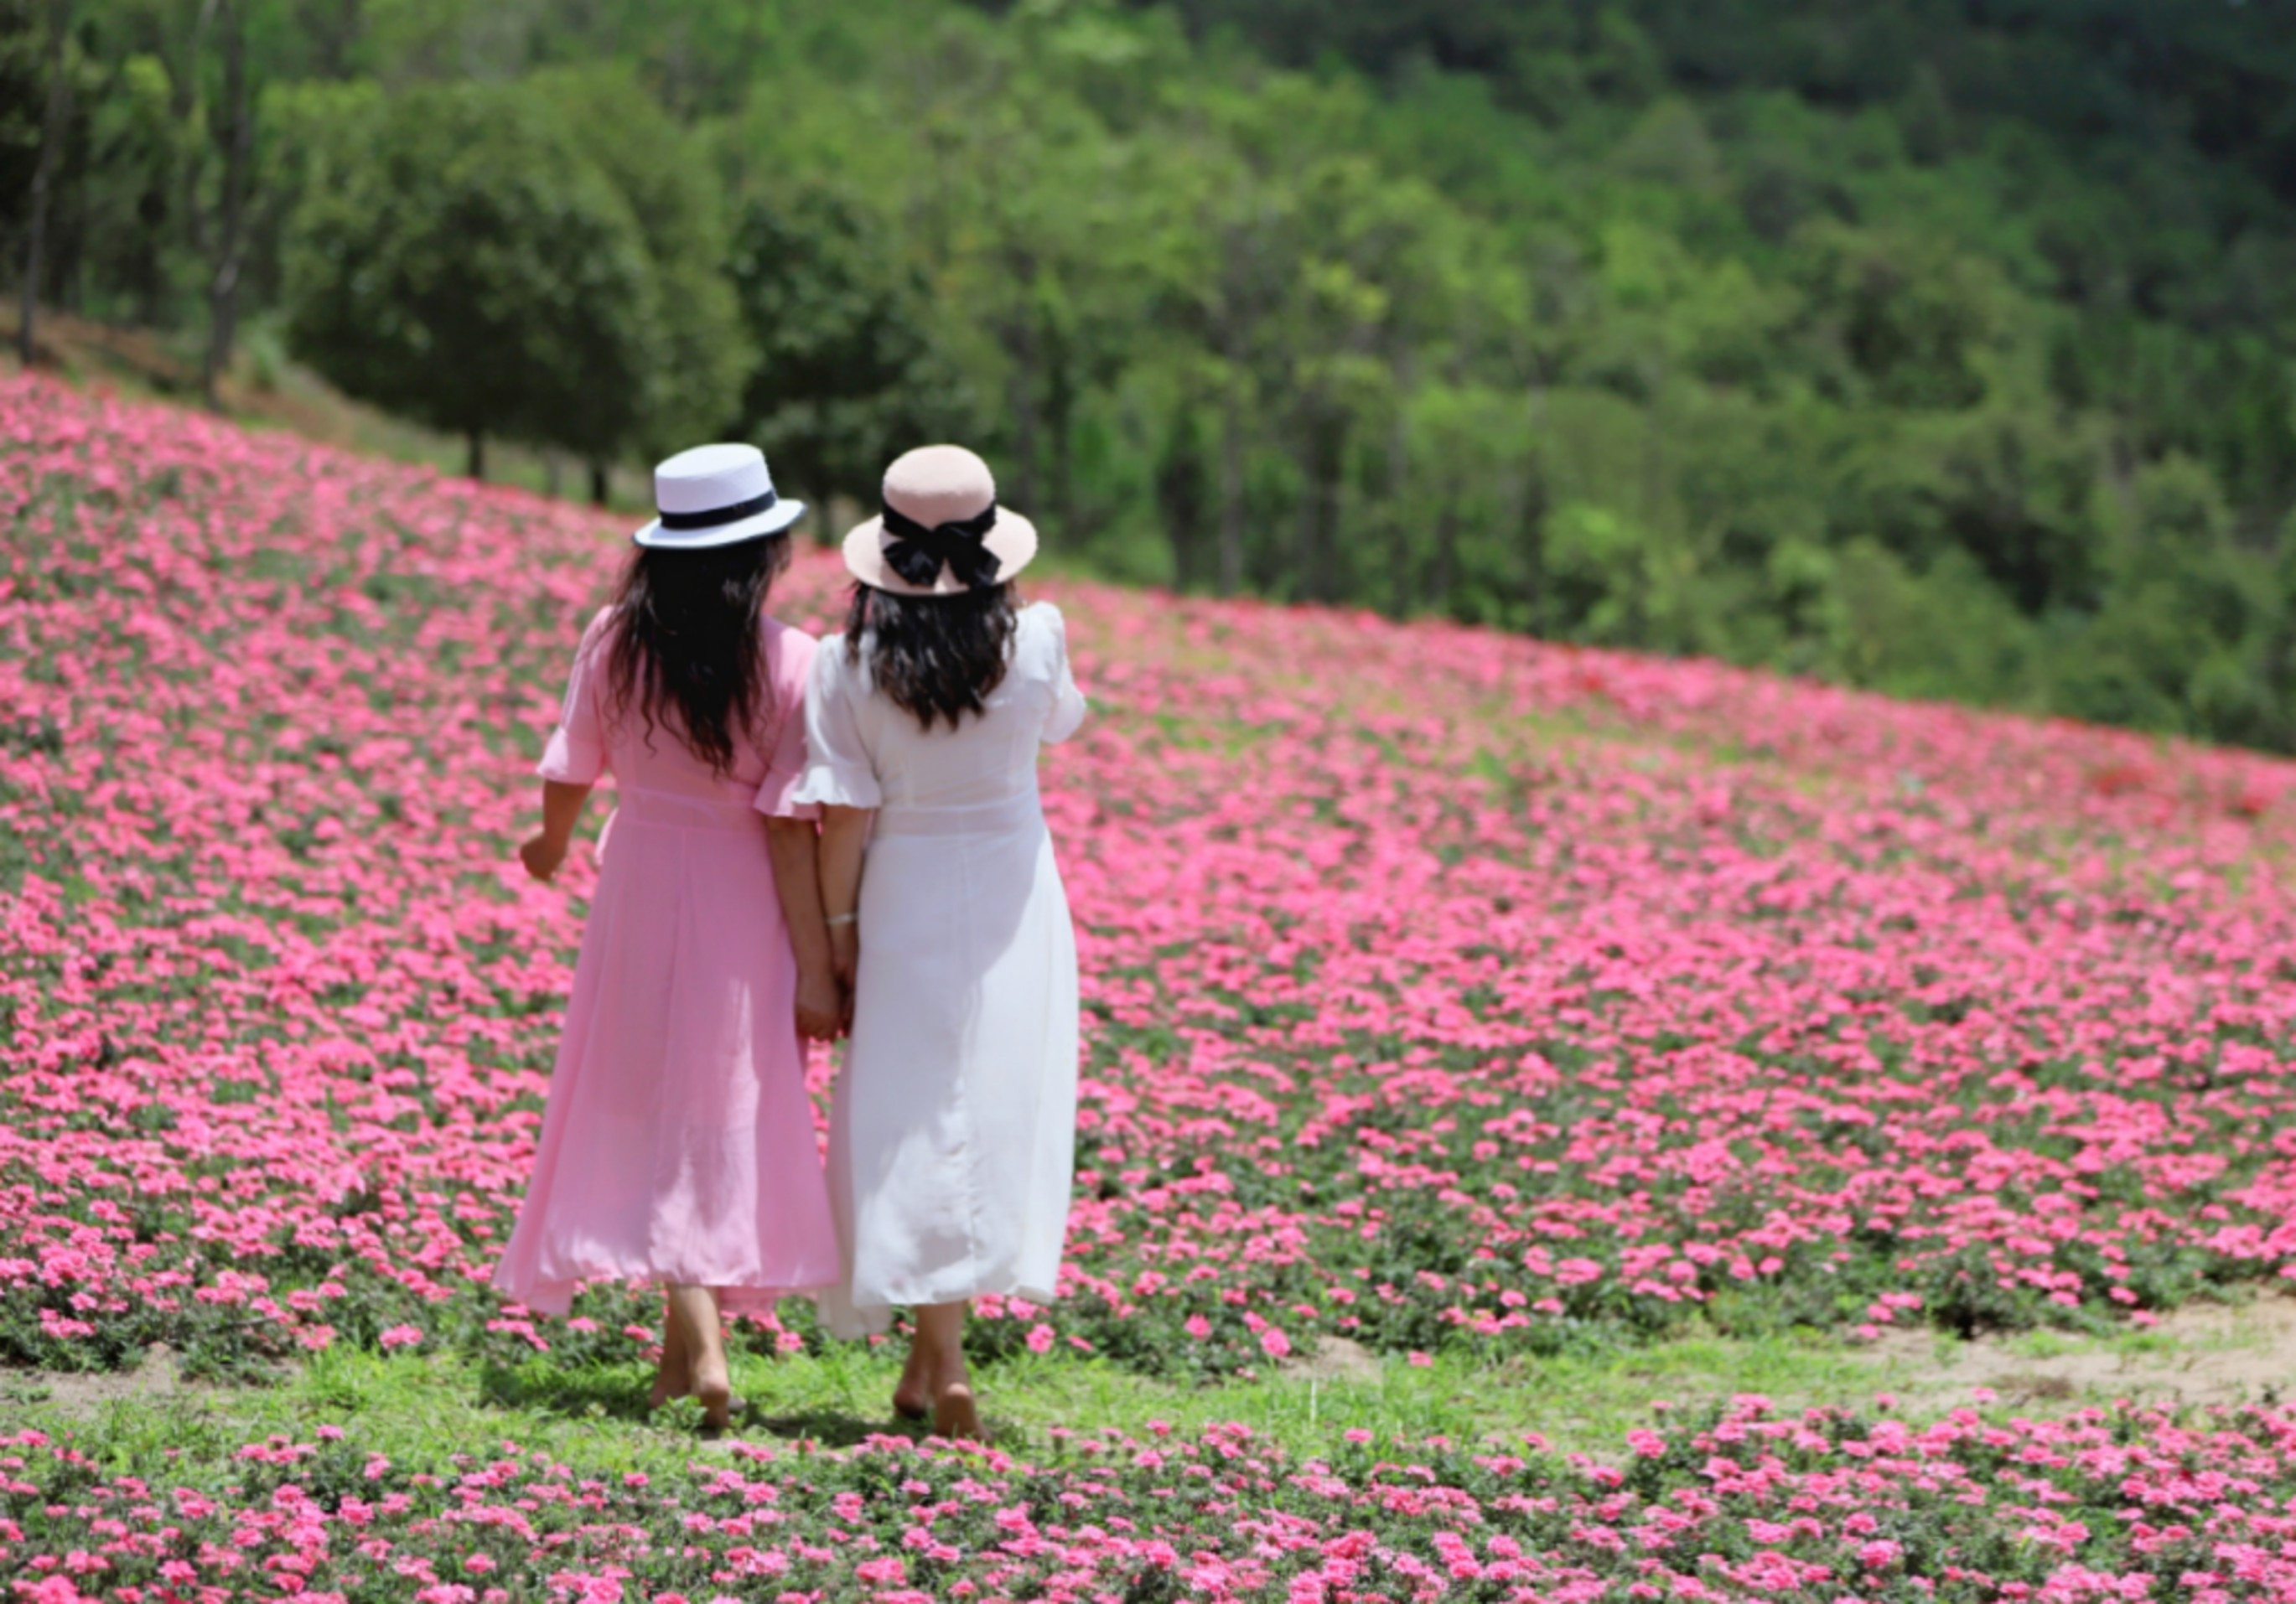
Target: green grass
x,y
418,1409
593,1415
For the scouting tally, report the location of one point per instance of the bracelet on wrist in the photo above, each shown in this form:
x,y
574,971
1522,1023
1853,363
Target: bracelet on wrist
x,y
836,920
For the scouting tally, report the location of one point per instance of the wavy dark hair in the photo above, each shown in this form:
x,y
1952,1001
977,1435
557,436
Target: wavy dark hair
x,y
937,656
685,644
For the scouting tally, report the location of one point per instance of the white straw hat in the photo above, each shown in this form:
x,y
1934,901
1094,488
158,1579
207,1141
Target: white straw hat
x,y
941,532
714,496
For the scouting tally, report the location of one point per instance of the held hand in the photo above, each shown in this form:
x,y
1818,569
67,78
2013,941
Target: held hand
x,y
541,854
820,1007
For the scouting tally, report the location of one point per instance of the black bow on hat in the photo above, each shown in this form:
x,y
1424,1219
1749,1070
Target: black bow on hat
x,y
917,553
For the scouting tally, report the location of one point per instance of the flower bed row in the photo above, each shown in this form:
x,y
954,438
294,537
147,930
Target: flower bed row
x,y
2116,1505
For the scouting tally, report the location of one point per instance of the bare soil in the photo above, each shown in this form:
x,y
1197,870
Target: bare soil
x,y
83,1394
1336,1359
2202,1353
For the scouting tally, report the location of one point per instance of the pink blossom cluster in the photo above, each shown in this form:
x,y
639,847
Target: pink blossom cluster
x,y
1443,988
2105,1507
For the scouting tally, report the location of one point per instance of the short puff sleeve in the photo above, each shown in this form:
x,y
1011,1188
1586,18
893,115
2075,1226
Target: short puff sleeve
x,y
791,653
576,754
1066,714
838,772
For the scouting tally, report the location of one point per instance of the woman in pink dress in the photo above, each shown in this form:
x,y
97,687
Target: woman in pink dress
x,y
678,1144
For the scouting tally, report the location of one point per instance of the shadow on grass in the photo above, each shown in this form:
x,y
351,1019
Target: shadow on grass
x,y
619,1393
589,1392
825,1426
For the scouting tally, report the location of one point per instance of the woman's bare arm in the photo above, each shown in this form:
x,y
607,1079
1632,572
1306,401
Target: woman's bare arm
x,y
844,832
797,881
562,810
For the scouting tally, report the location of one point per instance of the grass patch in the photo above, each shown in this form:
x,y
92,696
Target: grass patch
x,y
593,1415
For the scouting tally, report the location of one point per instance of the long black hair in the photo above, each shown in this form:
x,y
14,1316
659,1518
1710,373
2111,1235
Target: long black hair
x,y
685,644
937,656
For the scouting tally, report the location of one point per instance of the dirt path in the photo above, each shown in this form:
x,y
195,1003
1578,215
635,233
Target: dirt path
x,y
81,1394
2200,1353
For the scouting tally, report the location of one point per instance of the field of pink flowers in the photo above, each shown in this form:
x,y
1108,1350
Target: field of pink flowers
x,y
2105,1507
1444,989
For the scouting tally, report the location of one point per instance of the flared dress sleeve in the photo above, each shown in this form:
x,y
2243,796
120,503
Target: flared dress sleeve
x,y
793,653
576,752
838,772
1067,712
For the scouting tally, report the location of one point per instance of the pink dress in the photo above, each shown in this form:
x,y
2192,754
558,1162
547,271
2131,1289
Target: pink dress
x,y
678,1143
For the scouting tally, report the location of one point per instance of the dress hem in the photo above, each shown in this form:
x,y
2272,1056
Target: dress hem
x,y
555,1299
850,1322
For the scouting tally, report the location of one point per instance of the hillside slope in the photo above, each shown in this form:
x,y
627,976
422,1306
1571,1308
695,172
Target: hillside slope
x,y
1445,989
1924,346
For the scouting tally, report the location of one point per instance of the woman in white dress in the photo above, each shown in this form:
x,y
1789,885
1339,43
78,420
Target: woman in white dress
x,y
952,1138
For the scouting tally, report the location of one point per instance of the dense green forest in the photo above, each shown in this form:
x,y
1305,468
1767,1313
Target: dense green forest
x,y
1947,347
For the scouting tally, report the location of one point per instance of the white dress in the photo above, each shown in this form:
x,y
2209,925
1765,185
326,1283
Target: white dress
x,y
952,1136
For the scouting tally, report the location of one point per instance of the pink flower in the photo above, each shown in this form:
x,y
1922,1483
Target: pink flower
x,y
1729,990
1275,1343
1039,1338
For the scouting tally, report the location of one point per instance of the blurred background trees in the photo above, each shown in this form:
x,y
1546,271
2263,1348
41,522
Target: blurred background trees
x,y
1940,346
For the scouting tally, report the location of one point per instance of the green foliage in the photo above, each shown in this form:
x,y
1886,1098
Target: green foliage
x,y
1938,349
698,359
457,260
848,376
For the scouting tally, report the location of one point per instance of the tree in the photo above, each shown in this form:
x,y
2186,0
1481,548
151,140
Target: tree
x,y
1227,238
704,352
459,260
238,139
847,377
51,132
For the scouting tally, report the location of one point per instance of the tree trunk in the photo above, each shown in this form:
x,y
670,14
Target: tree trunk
x,y
477,442
598,475
52,138
1021,402
223,290
68,246
1323,456
1231,524
1533,511
1447,557
1181,497
1059,411
553,475
1403,578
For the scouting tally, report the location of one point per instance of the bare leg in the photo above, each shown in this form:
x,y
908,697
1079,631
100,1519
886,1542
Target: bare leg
x,y
940,1333
673,1378
696,1308
911,1398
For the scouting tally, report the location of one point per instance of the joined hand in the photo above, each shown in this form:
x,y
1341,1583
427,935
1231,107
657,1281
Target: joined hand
x,y
822,1008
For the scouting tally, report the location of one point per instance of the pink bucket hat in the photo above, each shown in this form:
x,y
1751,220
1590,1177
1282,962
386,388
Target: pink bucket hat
x,y
941,533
